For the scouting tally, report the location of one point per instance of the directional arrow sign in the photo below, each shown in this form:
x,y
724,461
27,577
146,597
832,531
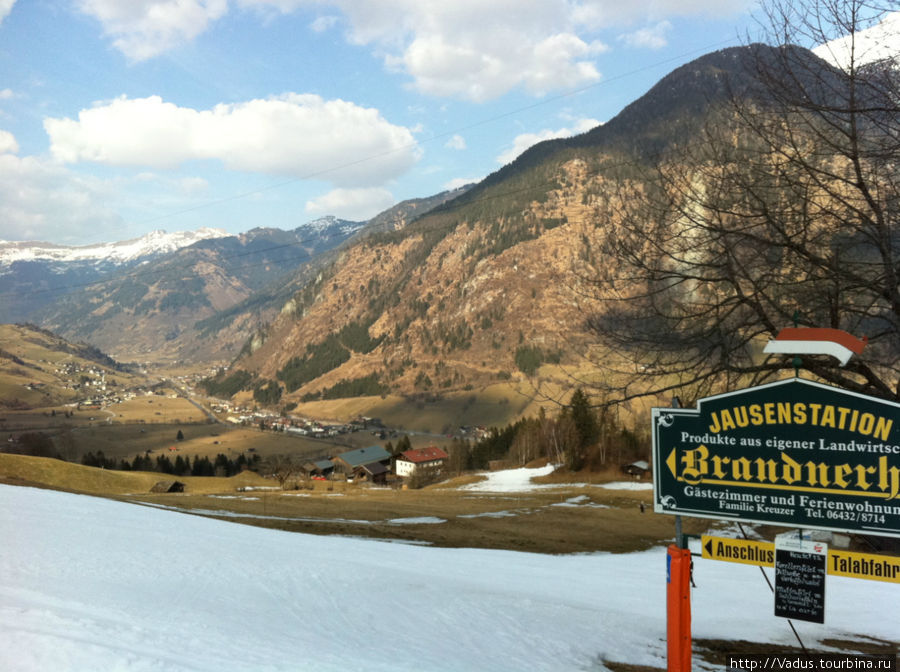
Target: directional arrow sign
x,y
745,551
840,563
864,566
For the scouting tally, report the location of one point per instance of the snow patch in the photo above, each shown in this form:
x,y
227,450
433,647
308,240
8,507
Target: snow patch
x,y
514,480
627,485
94,584
581,501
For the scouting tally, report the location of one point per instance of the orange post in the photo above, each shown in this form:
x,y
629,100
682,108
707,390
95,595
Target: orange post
x,y
678,609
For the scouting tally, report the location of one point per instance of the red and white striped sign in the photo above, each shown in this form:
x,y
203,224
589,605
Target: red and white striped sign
x,y
816,341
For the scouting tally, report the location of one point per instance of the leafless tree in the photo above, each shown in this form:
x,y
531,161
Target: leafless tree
x,y
786,207
283,468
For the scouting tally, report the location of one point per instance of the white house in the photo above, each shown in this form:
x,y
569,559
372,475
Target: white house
x,y
409,461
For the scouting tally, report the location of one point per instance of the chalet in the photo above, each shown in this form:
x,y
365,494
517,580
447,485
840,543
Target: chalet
x,y
347,463
318,468
376,472
431,457
637,469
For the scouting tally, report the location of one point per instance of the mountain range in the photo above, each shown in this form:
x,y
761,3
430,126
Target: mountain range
x,y
168,296
116,253
440,295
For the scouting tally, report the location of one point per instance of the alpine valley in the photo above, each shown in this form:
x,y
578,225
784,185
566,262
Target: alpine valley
x,y
436,296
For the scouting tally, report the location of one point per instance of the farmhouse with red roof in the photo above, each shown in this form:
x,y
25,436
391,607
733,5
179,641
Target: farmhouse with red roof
x,y
431,457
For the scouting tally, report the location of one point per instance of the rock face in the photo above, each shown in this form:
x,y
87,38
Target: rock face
x,y
486,286
447,293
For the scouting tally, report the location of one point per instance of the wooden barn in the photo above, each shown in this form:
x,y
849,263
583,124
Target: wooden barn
x,y
638,469
168,486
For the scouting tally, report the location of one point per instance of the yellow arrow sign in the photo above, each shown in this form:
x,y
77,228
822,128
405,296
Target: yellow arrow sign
x,y
864,566
840,563
671,463
745,551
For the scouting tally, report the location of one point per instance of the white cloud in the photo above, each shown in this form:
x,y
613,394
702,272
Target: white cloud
x,y
8,144
142,29
7,94
41,200
465,49
193,186
651,37
295,135
456,142
525,140
354,204
458,182
5,8
323,23
478,51
875,43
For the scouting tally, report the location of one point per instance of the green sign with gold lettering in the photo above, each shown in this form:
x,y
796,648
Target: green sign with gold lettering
x,y
794,453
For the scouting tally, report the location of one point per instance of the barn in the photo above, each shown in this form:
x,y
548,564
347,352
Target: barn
x,y
168,486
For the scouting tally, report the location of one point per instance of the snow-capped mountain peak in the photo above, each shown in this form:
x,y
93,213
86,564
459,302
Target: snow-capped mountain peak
x,y
155,242
329,224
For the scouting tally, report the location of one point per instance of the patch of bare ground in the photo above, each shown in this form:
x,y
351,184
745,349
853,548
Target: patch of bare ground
x,y
540,522
716,651
591,477
627,667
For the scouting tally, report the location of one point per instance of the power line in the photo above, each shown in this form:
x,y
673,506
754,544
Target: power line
x,y
483,198
446,134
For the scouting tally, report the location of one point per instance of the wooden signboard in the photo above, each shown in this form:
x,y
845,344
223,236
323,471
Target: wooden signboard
x,y
793,453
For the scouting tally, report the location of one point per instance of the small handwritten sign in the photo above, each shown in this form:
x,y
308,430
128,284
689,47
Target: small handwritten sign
x,y
800,567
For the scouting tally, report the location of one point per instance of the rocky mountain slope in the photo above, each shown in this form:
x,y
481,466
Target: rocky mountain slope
x,y
486,287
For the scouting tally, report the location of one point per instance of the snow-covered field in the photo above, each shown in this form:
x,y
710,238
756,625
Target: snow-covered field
x,y
520,480
512,480
96,585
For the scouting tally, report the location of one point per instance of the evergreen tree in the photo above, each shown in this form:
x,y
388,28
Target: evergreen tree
x,y
402,445
223,466
181,466
164,464
460,456
587,430
201,467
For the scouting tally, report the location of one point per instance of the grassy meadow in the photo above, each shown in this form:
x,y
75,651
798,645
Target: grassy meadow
x,y
573,517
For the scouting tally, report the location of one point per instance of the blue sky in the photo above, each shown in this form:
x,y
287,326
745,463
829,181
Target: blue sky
x,y
119,117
